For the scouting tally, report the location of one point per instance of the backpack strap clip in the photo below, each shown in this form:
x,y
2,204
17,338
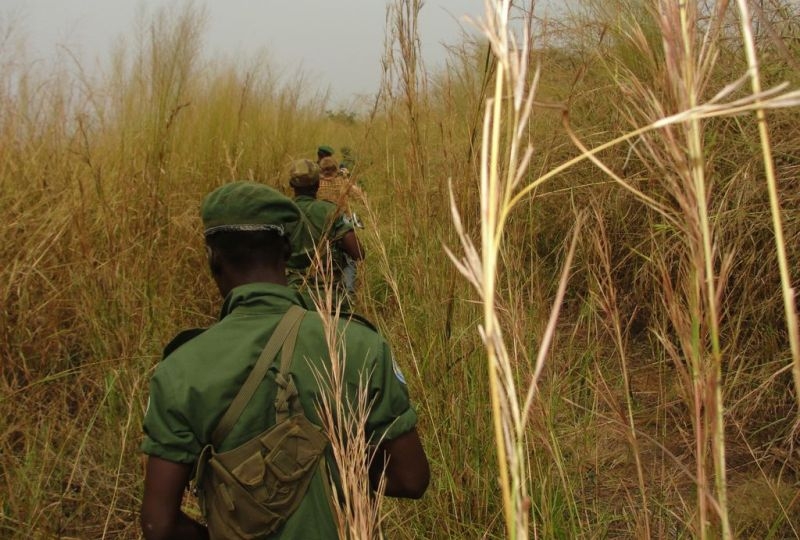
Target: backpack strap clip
x,y
287,396
283,338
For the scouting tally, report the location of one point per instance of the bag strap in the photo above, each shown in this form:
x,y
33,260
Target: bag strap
x,y
317,237
287,391
312,227
287,326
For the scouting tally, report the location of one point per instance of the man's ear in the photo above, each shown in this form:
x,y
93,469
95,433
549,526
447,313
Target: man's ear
x,y
214,262
287,249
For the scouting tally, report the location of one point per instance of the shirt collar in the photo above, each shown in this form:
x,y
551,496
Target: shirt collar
x,y
271,296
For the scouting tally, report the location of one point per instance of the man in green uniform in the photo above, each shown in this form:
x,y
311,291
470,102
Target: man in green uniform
x,y
326,232
338,188
246,228
324,151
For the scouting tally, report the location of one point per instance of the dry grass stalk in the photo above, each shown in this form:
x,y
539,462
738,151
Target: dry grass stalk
x,y
502,171
697,323
404,17
344,419
607,293
689,73
790,307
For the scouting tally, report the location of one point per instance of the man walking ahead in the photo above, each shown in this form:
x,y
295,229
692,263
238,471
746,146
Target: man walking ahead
x,y
339,188
195,389
326,235
335,187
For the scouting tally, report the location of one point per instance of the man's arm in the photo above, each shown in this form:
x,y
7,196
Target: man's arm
x,y
404,464
161,517
352,246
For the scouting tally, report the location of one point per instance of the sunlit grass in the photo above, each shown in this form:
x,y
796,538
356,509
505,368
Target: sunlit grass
x,y
672,325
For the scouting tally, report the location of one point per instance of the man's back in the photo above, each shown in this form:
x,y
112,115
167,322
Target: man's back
x,y
247,228
322,230
194,386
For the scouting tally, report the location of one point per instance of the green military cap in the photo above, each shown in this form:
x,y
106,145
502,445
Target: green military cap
x,y
325,149
247,206
303,173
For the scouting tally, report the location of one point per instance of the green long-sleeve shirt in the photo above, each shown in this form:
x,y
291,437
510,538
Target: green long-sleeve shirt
x,y
193,387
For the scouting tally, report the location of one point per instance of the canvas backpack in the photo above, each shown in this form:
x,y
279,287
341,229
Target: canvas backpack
x,y
250,491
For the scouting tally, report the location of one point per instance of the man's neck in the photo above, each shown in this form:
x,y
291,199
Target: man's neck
x,y
303,193
233,279
261,275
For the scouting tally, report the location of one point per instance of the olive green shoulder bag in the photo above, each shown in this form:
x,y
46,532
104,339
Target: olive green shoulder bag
x,y
250,491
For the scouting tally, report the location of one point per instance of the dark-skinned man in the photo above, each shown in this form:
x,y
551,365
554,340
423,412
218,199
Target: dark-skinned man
x,y
247,227
324,151
338,188
326,241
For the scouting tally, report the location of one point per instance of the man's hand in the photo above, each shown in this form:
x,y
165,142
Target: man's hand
x,y
161,517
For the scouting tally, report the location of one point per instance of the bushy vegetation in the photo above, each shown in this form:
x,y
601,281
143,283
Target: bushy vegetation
x,y
665,406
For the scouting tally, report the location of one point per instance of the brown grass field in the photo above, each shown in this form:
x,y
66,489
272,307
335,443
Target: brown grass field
x,y
583,246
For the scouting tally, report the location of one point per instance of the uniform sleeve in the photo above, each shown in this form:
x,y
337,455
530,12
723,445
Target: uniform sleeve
x,y
391,414
341,226
168,434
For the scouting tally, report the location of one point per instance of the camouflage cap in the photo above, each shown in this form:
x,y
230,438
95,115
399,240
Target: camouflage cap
x,y
303,173
325,149
328,166
247,206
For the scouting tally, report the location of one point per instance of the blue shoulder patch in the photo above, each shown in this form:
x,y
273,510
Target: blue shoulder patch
x,y
397,372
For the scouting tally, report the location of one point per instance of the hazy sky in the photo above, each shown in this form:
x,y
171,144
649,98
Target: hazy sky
x,y
339,42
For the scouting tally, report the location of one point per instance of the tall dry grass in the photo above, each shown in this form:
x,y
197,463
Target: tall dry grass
x,y
669,142
344,421
101,260
665,405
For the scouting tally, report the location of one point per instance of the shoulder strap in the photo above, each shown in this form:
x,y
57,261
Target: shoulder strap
x,y
287,391
316,232
282,331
